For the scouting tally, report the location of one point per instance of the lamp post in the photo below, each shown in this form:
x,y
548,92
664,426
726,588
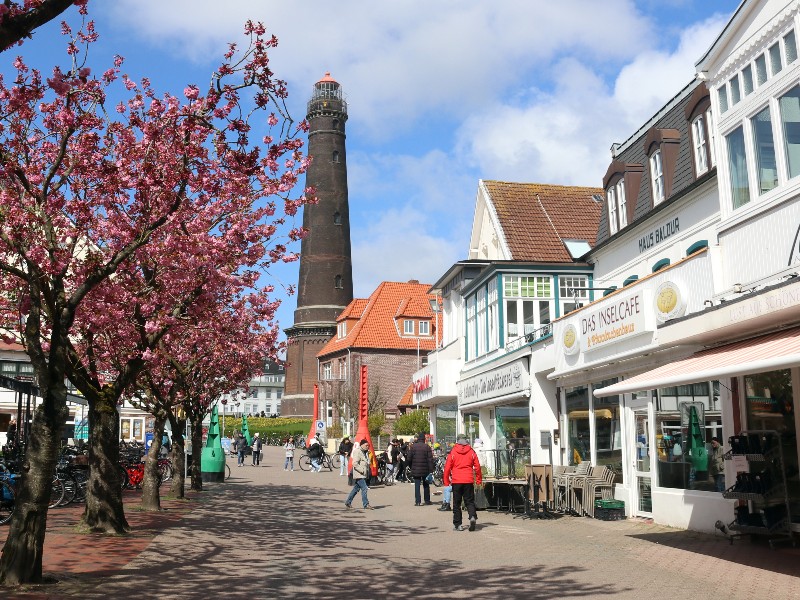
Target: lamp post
x,y
436,309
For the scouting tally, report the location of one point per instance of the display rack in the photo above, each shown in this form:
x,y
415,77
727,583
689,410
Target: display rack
x,y
762,485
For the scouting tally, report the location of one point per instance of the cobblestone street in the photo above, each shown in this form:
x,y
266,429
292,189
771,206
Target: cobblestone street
x,y
268,533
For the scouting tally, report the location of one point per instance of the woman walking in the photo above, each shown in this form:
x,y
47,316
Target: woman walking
x,y
288,448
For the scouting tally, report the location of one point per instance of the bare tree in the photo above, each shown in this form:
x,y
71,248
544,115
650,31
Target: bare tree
x,y
19,22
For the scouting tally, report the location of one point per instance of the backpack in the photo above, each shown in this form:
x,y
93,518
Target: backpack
x,y
315,451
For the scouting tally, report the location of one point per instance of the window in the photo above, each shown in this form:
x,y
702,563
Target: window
x,y
737,163
747,79
337,218
337,282
657,176
735,93
493,316
722,94
280,394
700,145
790,124
790,47
481,321
712,156
254,393
342,329
471,331
335,156
526,313
775,59
408,327
424,328
327,370
612,211
621,204
761,69
573,292
764,146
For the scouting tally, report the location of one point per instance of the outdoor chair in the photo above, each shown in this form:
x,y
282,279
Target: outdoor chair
x,y
560,486
599,485
581,470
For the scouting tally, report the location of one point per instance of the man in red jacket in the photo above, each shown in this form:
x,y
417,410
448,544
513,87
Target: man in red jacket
x,y
462,470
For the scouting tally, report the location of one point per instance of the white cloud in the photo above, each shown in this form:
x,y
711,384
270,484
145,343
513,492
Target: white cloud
x,y
564,136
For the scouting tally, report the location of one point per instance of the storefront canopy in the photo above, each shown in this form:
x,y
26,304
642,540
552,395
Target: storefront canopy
x,y
778,350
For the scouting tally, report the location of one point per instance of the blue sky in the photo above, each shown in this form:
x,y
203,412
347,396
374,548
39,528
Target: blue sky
x,y
440,93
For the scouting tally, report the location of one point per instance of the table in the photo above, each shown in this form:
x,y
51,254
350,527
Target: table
x,y
512,491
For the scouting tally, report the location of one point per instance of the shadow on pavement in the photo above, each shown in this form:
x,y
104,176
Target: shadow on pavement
x,y
270,541
755,553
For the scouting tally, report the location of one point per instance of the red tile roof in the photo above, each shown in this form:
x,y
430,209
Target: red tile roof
x,y
408,397
536,217
380,324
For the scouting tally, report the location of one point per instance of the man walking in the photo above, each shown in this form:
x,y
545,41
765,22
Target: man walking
x,y
420,462
240,445
257,450
462,470
361,470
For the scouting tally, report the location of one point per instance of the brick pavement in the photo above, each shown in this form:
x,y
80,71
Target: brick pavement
x,y
268,533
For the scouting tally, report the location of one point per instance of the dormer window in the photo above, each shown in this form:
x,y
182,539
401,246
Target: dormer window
x,y
408,327
617,206
698,113
342,329
657,177
621,183
424,328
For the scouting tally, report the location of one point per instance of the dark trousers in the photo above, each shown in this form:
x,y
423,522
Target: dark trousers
x,y
467,492
256,457
426,488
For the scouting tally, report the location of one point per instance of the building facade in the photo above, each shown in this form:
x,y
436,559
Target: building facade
x,y
325,286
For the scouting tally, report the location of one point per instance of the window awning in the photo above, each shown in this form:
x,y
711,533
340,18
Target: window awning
x,y
778,350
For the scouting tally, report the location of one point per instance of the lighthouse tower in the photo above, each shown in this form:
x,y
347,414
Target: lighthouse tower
x,y
325,287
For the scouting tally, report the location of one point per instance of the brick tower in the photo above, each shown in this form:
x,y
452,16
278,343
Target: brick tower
x,y
325,286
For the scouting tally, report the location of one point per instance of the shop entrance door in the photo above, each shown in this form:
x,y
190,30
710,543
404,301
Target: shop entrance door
x,y
640,458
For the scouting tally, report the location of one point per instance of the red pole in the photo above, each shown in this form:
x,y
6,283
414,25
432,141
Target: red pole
x,y
363,415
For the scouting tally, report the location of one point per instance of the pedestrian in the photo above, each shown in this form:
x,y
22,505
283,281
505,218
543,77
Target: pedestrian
x,y
420,462
716,465
389,461
240,445
402,462
288,449
11,433
315,454
257,450
462,470
361,469
345,449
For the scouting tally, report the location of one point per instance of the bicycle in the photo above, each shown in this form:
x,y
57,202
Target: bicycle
x,y
325,462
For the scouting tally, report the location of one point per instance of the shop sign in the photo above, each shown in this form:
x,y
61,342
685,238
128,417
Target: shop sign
x,y
670,301
570,341
613,321
504,380
423,383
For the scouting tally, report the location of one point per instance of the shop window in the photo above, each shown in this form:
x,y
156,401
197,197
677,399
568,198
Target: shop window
x,y
608,431
445,416
513,437
578,440
687,417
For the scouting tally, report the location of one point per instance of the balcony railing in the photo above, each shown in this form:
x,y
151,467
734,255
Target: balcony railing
x,y
533,336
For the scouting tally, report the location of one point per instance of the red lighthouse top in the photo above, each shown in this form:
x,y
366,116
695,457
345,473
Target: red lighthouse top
x,y
327,78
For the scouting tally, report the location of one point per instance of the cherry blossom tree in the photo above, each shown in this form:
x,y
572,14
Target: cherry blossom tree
x,y
85,188
19,19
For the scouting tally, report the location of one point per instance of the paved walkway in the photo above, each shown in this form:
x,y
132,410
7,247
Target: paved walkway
x,y
267,533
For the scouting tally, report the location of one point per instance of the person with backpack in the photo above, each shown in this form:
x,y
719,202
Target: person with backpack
x,y
345,449
257,443
462,470
315,454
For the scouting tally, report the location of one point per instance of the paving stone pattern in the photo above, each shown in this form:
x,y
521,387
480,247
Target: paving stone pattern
x,y
270,533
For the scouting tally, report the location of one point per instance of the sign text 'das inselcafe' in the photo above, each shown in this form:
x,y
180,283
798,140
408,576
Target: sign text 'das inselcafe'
x,y
613,321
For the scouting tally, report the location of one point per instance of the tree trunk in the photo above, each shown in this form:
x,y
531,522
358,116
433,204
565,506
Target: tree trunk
x,y
104,512
22,553
178,457
197,449
151,499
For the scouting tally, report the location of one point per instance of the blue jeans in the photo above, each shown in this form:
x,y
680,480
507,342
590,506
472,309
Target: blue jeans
x,y
343,466
362,485
240,457
426,489
288,463
315,465
446,493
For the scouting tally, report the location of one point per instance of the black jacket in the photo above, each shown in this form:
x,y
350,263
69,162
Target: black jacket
x,y
420,459
345,448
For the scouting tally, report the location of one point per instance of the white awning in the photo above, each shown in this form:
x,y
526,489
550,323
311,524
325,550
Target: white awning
x,y
505,399
778,350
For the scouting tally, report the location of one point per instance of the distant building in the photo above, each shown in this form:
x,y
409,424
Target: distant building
x,y
391,332
263,396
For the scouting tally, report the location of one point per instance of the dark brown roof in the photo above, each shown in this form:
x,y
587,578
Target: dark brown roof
x,y
536,217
